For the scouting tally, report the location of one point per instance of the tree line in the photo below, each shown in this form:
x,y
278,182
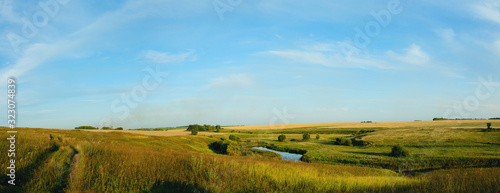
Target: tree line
x,y
205,127
97,128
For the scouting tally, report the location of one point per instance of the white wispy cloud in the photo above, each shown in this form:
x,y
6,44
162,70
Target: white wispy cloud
x,y
448,35
488,10
496,46
165,57
331,55
413,55
327,54
233,81
36,55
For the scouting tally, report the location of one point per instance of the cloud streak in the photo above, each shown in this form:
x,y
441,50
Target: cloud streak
x,y
165,57
488,10
233,81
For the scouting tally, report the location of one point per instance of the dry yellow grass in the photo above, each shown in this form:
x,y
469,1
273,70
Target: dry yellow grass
x,y
364,125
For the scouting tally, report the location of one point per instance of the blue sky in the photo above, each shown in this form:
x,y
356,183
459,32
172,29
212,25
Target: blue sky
x,y
157,63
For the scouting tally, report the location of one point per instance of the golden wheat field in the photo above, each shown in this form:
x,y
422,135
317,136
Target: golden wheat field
x,y
366,125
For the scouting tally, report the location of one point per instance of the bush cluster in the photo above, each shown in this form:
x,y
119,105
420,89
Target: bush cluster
x,y
228,147
399,151
343,141
306,136
281,138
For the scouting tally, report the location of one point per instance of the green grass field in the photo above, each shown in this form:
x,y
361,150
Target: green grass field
x,y
451,157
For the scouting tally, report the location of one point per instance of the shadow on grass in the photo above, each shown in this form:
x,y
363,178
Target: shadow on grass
x,y
175,187
367,153
24,175
326,142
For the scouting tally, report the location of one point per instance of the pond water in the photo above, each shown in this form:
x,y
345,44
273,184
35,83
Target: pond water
x,y
284,155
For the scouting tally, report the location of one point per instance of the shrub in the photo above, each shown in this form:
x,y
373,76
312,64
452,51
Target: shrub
x,y
228,147
233,148
488,125
194,132
119,128
348,142
106,128
343,141
86,127
306,136
281,138
317,136
399,151
340,141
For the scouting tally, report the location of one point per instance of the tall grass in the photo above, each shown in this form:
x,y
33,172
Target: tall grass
x,y
120,162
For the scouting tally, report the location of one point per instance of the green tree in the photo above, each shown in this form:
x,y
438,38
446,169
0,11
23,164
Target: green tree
x,y
306,136
399,151
119,128
488,125
317,136
281,138
194,132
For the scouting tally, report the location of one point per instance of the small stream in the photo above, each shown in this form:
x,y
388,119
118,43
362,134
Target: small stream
x,y
284,155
